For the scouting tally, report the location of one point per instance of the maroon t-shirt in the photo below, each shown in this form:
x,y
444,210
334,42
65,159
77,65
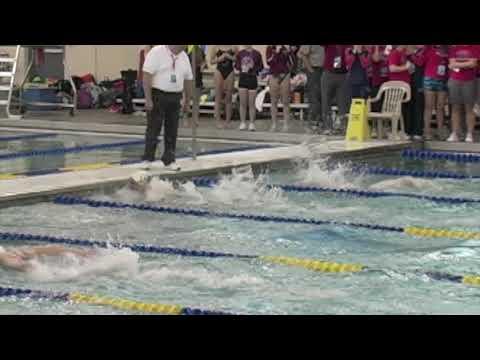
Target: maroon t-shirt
x,y
279,62
379,69
335,58
399,58
249,62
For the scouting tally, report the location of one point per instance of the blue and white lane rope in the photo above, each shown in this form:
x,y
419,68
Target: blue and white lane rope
x,y
309,264
408,230
26,137
71,200
436,155
210,182
116,303
412,173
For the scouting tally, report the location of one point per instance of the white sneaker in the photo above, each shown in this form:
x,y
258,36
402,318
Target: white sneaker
x,y
469,138
251,127
273,127
173,167
243,126
453,138
417,138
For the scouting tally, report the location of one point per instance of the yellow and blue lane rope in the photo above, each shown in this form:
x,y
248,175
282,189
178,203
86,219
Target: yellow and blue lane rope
x,y
309,264
115,303
409,230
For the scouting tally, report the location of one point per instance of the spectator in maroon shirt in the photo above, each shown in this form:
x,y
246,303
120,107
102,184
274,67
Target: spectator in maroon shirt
x,y
463,61
280,59
334,83
435,60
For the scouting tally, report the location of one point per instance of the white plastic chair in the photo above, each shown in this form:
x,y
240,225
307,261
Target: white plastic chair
x,y
394,93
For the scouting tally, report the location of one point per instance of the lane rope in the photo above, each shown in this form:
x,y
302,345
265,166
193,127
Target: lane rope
x,y
309,264
412,173
71,200
211,182
116,303
438,155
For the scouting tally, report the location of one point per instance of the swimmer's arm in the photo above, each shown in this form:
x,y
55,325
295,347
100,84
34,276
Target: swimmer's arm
x,y
55,250
13,263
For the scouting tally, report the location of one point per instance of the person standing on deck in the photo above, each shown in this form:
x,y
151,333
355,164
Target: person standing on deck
x,y
166,73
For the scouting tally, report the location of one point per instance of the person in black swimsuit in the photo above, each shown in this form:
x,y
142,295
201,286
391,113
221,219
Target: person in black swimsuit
x,y
223,56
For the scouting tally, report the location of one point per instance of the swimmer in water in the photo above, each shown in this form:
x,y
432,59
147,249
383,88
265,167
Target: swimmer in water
x,y
20,258
406,182
140,182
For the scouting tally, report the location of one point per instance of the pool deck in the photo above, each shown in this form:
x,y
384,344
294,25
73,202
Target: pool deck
x,y
39,188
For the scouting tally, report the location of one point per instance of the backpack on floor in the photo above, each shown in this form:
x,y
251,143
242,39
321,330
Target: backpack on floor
x,y
84,98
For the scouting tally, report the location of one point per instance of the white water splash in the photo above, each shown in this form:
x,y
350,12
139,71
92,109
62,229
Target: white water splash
x,y
317,173
202,277
242,189
121,262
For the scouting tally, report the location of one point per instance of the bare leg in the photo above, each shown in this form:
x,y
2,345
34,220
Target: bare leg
x,y
219,91
470,118
252,95
274,94
430,97
285,90
228,98
243,104
441,102
456,114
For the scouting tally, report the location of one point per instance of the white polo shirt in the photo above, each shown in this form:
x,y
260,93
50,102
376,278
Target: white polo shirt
x,y
169,71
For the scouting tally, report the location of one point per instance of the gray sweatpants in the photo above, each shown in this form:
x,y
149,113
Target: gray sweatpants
x,y
333,85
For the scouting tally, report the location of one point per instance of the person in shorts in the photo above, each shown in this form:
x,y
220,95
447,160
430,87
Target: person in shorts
x,y
462,88
249,64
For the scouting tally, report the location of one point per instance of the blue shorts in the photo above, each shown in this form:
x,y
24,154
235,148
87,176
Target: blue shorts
x,y
431,84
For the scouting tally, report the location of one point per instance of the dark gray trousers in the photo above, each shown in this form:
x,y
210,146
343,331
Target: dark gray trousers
x,y
166,110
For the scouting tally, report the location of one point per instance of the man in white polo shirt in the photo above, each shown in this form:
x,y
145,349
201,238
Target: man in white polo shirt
x,y
166,73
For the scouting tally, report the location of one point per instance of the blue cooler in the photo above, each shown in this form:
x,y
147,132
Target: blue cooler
x,y
41,95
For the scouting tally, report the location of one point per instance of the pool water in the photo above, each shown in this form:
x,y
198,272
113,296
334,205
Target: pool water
x,y
253,286
61,160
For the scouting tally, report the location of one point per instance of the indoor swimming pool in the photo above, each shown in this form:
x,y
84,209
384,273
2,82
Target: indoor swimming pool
x,y
396,278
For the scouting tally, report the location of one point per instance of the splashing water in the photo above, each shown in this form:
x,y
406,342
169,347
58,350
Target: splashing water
x,y
317,173
122,262
242,189
210,279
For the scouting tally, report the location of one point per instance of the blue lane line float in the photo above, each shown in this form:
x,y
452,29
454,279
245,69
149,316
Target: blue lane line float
x,y
436,155
71,200
412,173
211,182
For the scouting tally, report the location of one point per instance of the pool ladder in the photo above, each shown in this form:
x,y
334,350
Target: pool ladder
x,y
8,69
